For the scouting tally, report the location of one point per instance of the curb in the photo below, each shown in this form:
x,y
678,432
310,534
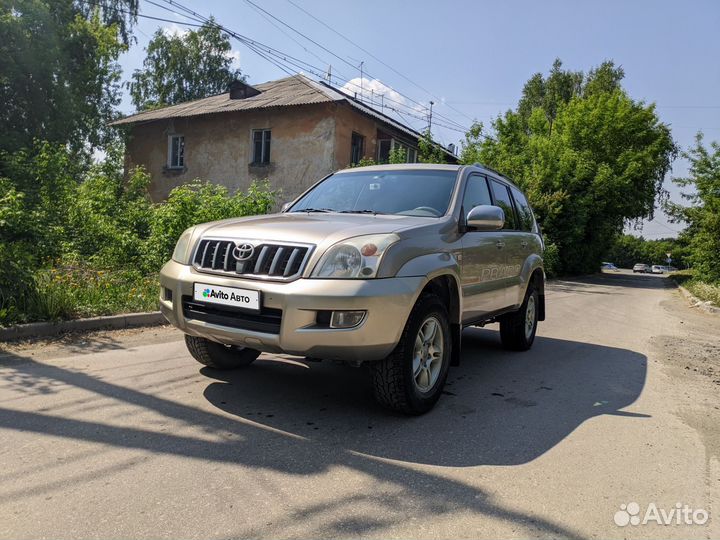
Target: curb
x,y
111,322
696,302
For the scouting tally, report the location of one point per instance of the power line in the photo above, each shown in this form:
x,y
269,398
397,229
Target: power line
x,y
274,56
664,225
288,59
378,59
298,32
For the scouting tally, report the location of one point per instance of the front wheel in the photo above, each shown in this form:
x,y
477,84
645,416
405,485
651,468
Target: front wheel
x,y
412,377
517,329
219,356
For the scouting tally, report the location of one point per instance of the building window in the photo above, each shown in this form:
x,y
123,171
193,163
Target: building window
x,y
357,148
176,151
261,146
383,154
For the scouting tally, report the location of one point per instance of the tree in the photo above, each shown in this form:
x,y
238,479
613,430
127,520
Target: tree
x,y
59,77
429,151
119,13
703,216
628,250
183,66
589,157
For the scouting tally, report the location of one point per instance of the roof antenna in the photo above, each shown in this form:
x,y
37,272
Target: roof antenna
x,y
361,80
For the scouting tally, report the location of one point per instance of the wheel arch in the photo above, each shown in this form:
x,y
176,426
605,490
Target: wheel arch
x,y
446,287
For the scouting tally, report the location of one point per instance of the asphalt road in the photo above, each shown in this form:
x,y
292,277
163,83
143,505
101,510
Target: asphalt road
x,y
121,435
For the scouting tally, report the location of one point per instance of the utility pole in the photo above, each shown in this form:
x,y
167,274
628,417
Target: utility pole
x,y
430,118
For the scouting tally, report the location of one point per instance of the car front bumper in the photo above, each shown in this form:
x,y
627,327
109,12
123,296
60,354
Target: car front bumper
x,y
387,302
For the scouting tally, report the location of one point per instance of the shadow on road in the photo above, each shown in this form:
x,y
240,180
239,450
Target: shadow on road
x,y
500,408
588,284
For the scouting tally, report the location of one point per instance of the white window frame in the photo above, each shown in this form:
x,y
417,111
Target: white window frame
x,y
410,151
361,148
170,163
263,146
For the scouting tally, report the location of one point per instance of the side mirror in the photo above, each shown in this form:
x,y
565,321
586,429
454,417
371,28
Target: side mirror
x,y
486,218
284,207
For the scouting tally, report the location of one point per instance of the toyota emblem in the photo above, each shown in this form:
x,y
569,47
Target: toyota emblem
x,y
242,252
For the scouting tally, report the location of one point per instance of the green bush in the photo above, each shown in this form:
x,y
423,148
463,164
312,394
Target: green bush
x,y
194,203
76,242
109,220
551,260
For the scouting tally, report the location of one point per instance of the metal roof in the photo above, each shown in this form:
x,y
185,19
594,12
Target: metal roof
x,y
287,92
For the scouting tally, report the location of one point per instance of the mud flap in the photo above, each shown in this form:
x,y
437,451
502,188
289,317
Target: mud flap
x,y
456,331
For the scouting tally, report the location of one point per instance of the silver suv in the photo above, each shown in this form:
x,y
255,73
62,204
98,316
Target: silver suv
x,y
384,265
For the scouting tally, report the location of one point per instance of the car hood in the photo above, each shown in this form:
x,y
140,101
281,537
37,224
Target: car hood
x,y
310,228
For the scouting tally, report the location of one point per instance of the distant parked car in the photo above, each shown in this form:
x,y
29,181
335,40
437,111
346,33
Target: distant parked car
x,y
657,269
642,268
610,267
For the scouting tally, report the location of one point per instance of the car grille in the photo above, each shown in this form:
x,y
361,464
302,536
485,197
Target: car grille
x,y
268,261
267,320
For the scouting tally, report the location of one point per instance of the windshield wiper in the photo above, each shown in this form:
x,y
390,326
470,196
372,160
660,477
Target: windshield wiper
x,y
375,212
308,210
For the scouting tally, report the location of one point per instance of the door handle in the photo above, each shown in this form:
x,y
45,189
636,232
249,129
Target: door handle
x,y
500,244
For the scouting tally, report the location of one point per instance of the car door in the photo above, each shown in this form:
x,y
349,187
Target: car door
x,y
482,259
515,243
531,242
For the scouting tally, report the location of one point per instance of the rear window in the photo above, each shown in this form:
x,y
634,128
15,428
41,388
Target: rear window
x,y
525,215
503,200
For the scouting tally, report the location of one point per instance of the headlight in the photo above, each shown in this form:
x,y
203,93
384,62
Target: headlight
x,y
354,258
181,252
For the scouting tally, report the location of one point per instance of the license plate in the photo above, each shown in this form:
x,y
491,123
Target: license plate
x,y
227,296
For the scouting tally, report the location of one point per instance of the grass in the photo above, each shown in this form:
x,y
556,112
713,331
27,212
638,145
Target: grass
x,y
73,292
707,292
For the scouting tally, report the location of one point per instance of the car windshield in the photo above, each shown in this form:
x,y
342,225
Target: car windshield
x,y
410,192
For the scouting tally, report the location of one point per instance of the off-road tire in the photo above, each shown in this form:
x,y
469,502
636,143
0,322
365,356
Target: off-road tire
x,y
512,325
219,356
392,377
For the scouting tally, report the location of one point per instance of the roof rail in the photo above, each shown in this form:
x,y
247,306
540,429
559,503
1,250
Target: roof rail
x,y
501,175
478,164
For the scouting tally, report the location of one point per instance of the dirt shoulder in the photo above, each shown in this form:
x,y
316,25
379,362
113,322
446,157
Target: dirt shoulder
x,y
77,343
691,355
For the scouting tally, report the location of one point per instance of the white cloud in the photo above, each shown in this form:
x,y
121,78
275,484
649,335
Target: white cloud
x,y
235,57
377,92
373,89
174,30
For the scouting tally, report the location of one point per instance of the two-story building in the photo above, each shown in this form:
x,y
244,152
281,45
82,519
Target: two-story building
x,y
292,131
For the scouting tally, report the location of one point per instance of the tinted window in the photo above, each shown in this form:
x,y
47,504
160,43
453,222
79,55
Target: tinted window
x,y
503,200
476,193
525,216
412,192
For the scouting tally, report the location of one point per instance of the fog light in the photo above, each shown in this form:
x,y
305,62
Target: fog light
x,y
346,319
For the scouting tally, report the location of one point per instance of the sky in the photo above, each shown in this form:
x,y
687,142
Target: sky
x,y
472,58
